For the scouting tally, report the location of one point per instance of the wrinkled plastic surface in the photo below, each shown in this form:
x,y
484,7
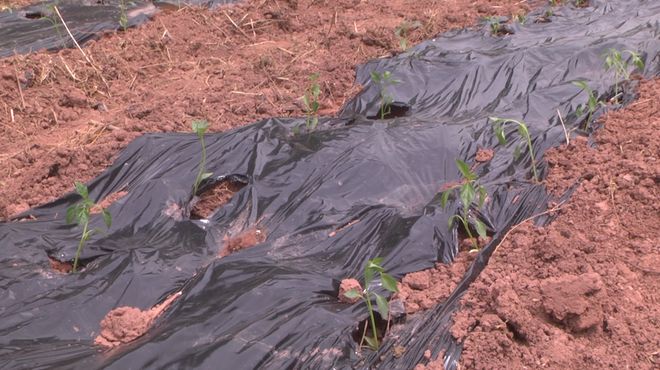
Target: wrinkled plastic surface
x,y
274,305
38,27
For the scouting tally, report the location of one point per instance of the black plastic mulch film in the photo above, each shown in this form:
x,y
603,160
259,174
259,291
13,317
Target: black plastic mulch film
x,y
274,305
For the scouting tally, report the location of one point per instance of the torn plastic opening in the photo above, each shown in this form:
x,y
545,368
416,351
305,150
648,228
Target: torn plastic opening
x,y
354,189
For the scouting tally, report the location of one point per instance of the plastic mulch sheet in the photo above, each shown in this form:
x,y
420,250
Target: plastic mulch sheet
x,y
356,188
38,26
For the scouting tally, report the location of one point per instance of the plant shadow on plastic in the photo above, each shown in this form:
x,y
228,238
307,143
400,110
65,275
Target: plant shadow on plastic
x,y
371,335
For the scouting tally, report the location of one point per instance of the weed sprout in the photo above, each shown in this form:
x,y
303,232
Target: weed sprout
x,y
401,32
200,127
389,283
524,133
468,191
79,213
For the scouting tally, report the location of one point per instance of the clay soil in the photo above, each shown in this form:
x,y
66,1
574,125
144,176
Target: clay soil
x,y
582,292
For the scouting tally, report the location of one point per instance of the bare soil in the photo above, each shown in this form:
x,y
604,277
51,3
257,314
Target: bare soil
x,y
125,324
63,119
211,199
246,239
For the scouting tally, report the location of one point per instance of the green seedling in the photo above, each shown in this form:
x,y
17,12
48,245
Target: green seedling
x,y
592,103
200,127
524,133
614,61
402,31
79,214
311,102
468,191
123,18
494,24
520,18
372,268
581,3
384,80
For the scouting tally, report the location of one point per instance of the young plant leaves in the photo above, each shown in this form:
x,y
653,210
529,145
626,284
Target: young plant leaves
x,y
481,228
383,306
465,170
389,282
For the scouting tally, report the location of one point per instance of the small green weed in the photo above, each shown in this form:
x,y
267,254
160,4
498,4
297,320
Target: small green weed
x,y
592,103
520,18
200,127
311,101
384,81
371,268
402,31
614,60
79,213
468,191
523,131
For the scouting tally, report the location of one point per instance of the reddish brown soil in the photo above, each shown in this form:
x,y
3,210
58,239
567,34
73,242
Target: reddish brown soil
x,y
68,124
246,239
211,199
63,267
125,324
347,285
107,201
583,292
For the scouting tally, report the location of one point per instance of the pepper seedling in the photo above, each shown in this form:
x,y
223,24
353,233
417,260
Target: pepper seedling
x,y
79,213
468,191
371,268
524,133
200,127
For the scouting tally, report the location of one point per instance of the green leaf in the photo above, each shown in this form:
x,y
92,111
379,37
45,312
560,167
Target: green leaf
x,y
206,175
368,276
107,218
375,76
522,130
372,343
389,282
383,306
482,196
81,189
445,197
467,195
481,228
200,126
83,217
581,84
499,133
71,214
465,169
352,294
450,222
375,263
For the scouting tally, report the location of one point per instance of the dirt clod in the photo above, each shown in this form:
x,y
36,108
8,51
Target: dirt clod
x,y
125,324
345,286
246,239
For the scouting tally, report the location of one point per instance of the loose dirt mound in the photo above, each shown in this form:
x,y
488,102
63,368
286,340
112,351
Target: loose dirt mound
x,y
581,293
125,324
246,239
